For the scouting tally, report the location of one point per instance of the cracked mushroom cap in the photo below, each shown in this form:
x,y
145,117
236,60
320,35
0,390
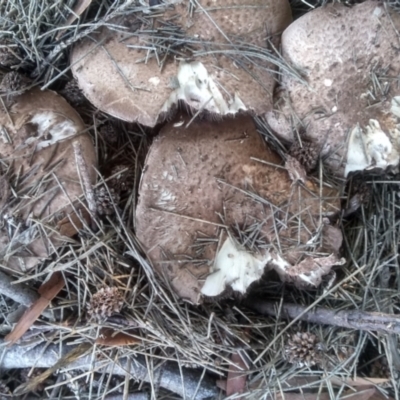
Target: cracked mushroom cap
x,y
38,164
217,208
211,58
350,106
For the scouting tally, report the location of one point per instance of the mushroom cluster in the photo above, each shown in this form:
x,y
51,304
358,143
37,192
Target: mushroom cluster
x,y
218,207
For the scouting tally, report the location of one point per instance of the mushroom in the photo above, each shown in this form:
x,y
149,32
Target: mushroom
x,y
217,208
40,175
212,56
349,107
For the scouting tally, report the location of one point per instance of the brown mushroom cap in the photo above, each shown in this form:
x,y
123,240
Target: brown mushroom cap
x,y
39,161
350,60
204,198
212,58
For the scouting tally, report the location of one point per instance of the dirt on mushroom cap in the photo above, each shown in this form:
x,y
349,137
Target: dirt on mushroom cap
x,y
213,57
38,161
350,60
203,187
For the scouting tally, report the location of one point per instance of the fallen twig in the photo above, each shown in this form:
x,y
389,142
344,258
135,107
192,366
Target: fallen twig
x,y
352,319
20,293
191,384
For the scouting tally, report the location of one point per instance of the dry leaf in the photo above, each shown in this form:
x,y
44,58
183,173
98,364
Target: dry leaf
x,y
109,337
47,292
221,384
237,377
70,224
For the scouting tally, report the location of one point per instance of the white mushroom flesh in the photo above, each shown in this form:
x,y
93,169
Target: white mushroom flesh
x,y
235,268
52,127
197,88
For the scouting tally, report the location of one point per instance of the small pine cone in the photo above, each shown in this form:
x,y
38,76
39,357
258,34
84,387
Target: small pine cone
x,y
104,201
5,392
307,154
15,83
303,349
109,133
124,178
9,55
105,303
73,94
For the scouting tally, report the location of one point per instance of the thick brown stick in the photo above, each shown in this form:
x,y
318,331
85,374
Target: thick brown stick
x,y
47,292
353,319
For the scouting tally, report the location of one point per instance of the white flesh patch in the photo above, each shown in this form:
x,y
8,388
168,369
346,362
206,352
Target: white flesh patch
x,y
370,148
51,128
395,106
233,267
196,88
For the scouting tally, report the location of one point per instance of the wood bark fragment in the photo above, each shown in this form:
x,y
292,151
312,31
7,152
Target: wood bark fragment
x,y
351,319
190,385
18,292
